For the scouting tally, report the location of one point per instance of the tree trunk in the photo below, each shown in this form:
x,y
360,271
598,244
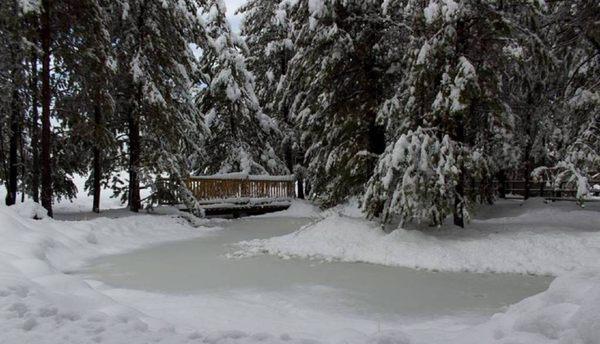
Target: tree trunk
x,y
502,184
527,176
301,188
13,158
97,168
528,148
459,201
459,196
13,140
134,163
134,128
46,98
35,135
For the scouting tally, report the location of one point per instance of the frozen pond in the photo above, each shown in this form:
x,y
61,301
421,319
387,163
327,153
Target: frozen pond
x,y
353,290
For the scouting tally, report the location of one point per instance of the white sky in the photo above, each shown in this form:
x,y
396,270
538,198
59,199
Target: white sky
x,y
233,5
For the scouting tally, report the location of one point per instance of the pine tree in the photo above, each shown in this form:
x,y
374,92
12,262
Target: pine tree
x,y
241,134
336,81
270,36
86,105
13,88
449,109
529,86
573,30
156,69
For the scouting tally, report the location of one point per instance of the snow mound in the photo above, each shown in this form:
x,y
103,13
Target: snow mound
x,y
566,313
544,241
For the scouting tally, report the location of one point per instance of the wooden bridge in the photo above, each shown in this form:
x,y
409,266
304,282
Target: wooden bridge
x,y
234,193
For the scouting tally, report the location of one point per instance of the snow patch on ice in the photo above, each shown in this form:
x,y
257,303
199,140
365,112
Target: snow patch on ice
x,y
298,209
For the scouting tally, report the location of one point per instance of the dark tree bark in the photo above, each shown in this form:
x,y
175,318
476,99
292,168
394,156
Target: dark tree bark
x,y
134,130
46,168
502,184
97,168
13,155
301,188
459,204
528,146
15,118
134,163
35,135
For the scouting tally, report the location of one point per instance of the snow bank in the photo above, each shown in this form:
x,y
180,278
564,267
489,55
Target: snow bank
x,y
566,313
550,240
40,303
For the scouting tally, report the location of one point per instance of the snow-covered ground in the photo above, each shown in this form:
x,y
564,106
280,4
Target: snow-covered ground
x,y
43,301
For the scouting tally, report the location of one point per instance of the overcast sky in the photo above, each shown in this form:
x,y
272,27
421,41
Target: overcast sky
x,y
233,5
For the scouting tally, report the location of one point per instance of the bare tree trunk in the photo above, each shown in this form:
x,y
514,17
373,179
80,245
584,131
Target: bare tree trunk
x,y
459,201
97,168
301,188
502,184
527,176
35,135
13,140
528,147
13,158
46,98
134,130
134,163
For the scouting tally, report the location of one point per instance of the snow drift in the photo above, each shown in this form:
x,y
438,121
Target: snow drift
x,y
538,239
40,303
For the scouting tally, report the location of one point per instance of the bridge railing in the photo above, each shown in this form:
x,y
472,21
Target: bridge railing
x,y
230,188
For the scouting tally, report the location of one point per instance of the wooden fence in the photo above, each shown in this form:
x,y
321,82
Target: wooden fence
x,y
518,187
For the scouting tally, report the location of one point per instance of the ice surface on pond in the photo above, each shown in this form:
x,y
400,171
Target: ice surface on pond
x,y
355,290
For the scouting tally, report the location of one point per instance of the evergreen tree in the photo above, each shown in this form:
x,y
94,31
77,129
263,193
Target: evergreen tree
x,y
156,69
449,110
336,81
529,86
270,36
574,111
241,134
13,85
86,105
